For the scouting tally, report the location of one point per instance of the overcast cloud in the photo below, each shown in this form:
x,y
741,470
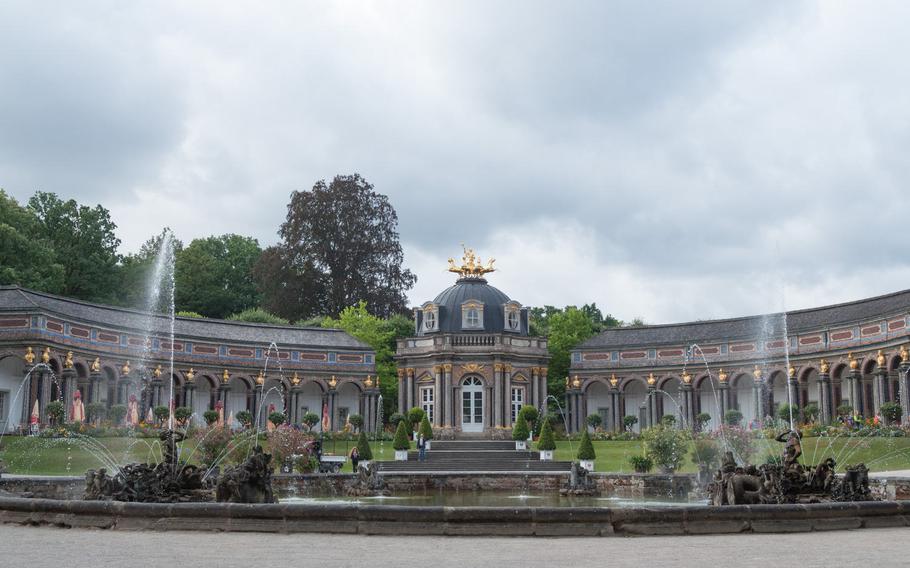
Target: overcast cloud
x,y
669,161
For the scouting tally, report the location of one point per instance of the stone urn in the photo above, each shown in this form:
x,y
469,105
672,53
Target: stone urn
x,y
426,444
521,444
364,464
401,455
546,455
587,464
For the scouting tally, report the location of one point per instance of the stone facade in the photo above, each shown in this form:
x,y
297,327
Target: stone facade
x,y
99,351
848,354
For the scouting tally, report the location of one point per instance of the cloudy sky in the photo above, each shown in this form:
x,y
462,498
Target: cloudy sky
x,y
667,160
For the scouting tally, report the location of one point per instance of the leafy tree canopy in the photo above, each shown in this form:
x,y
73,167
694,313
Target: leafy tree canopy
x,y
27,257
214,275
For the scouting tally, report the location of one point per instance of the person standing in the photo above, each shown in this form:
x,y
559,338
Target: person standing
x,y
355,458
421,449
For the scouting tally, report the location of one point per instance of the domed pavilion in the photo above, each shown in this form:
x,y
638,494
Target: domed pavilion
x,y
471,364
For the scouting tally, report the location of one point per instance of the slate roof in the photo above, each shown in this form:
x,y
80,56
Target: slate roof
x,y
16,299
464,289
748,328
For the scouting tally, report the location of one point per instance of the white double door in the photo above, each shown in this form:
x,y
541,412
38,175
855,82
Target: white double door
x,y
472,405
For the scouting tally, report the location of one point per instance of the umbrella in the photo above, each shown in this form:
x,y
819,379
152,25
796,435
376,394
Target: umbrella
x,y
325,417
36,414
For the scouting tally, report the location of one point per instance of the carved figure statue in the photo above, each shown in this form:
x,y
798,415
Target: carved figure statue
x,y
793,448
77,409
249,482
46,355
29,356
170,439
132,411
96,365
68,362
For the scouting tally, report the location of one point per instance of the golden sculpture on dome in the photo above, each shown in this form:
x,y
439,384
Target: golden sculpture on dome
x,y
29,356
471,265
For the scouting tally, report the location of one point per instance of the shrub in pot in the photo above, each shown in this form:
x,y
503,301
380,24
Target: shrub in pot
x,y
426,431
891,412
546,444
210,417
641,464
415,415
277,418
310,419
666,446
182,414
116,414
810,412
702,419
363,449
95,411
245,417
395,418
161,413
356,421
586,453
531,415
733,417
520,432
400,442
55,412
783,412
594,420
628,422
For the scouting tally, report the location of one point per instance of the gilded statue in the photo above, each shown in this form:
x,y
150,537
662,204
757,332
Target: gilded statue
x,y
157,372
824,366
225,376
96,365
125,370
29,356
191,375
46,356
880,359
68,362
905,354
472,266
854,362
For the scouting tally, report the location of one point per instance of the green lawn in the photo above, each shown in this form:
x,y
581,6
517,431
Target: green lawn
x,y
63,456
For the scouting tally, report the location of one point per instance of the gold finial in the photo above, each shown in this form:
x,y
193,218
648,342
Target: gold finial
x,y
191,375
225,376
96,365
824,366
368,381
613,380
791,372
905,354
295,380
333,382
68,362
854,363
757,373
722,376
46,356
125,369
686,377
260,378
577,382
29,355
880,359
471,265
567,381
157,372
651,379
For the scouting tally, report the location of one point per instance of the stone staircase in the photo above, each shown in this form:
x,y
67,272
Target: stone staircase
x,y
474,456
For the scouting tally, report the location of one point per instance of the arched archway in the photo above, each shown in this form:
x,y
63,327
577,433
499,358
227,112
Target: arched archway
x,y
310,400
634,395
708,400
669,401
11,379
347,402
597,397
204,396
777,392
742,397
808,385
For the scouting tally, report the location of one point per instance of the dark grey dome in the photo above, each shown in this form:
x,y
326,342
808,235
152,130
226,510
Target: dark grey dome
x,y
450,302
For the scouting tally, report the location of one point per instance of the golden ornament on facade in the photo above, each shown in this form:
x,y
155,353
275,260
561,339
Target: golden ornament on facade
x,y
471,265
333,382
576,382
722,376
757,373
905,354
260,378
46,355
96,365
410,371
880,359
400,373
368,381
651,379
225,376
437,369
791,372
295,379
824,366
854,362
686,377
29,356
613,380
507,368
157,372
497,367
125,369
447,367
472,368
191,375
68,361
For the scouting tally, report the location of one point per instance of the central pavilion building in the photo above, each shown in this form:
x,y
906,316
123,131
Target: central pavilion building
x,y
471,364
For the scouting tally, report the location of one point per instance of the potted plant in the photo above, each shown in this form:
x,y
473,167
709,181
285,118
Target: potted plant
x,y
363,450
641,464
415,416
245,417
891,412
401,443
426,431
56,412
546,444
702,419
277,418
594,421
310,419
531,415
210,417
161,414
629,421
733,417
182,414
586,454
666,447
356,421
520,433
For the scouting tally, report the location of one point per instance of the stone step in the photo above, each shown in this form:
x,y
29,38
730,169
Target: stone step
x,y
481,445
529,466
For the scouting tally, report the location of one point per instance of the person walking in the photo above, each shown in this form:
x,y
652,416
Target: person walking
x,y
421,449
355,457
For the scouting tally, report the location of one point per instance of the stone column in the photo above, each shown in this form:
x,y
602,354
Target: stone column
x,y
257,404
542,391
793,390
332,418
757,408
506,395
402,401
724,394
857,397
409,372
904,390
295,404
824,397
456,407
450,400
532,388
615,410
439,396
69,386
488,408
651,412
497,397
879,380
225,397
45,397
688,418
189,394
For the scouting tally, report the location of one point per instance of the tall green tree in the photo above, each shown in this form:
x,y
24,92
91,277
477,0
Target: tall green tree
x,y
27,257
340,240
84,243
568,328
214,275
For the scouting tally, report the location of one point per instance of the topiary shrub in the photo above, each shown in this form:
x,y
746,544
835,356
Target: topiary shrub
x,y
520,430
641,464
783,412
400,442
810,411
116,414
161,413
844,410
182,414
415,415
425,429
55,412
210,417
733,417
245,417
668,420
585,447
546,441
395,418
277,418
629,421
594,420
531,414
310,419
891,411
701,420
363,447
356,421
95,411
